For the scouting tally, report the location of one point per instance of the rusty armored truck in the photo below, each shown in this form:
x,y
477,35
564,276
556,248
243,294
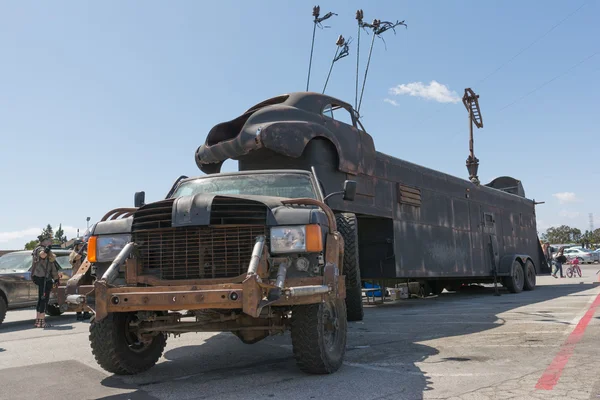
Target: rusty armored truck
x,y
252,253
280,245
407,222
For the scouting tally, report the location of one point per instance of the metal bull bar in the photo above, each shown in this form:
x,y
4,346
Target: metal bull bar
x,y
112,272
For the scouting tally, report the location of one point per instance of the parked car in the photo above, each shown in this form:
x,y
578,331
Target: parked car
x,y
17,290
584,255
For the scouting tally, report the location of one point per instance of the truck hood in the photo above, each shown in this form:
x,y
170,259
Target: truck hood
x,y
210,209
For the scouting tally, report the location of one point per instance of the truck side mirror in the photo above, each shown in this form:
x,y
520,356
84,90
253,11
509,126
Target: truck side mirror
x,y
349,190
139,199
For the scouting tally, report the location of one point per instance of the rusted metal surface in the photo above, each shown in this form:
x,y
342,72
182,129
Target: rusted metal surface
x,y
414,222
334,249
79,278
279,133
471,102
197,252
61,295
118,213
132,270
246,296
235,323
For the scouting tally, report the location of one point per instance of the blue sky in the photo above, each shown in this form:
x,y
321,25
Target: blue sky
x,y
100,100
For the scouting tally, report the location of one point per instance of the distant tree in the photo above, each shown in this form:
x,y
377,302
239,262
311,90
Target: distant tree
x,y
591,238
562,234
31,245
59,236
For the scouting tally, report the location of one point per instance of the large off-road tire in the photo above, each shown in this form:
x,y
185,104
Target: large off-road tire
x,y
117,350
348,227
319,336
53,310
515,282
530,278
3,308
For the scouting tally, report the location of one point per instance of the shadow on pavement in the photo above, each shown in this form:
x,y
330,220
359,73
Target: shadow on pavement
x,y
61,323
383,350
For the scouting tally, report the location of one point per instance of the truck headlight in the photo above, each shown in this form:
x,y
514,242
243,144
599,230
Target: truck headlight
x,y
107,248
296,239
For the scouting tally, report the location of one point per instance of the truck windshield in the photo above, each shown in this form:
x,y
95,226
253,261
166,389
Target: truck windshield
x,y
277,185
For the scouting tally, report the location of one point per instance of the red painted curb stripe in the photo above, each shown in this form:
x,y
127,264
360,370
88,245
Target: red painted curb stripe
x,y
552,374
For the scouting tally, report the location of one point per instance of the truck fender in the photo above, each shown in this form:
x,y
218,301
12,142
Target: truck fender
x,y
505,268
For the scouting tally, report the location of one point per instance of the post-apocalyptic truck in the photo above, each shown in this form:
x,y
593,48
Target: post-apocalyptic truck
x,y
252,253
276,245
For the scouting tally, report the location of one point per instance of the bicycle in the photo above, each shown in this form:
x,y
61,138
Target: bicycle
x,y
574,269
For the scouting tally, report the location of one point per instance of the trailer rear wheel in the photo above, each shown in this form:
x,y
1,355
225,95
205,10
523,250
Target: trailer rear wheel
x,y
515,282
453,286
348,228
435,287
529,269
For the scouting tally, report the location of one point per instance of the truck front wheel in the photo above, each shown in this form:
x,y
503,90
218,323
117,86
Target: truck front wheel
x,y
319,336
117,348
348,228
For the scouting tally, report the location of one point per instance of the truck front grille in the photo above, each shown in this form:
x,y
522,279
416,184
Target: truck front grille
x,y
197,252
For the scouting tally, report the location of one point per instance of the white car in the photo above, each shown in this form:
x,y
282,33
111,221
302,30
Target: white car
x,y
584,255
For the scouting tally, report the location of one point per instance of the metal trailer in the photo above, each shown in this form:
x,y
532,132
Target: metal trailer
x,y
407,221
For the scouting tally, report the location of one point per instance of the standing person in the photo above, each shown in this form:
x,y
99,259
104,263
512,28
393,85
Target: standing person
x,y
76,259
560,260
547,255
44,274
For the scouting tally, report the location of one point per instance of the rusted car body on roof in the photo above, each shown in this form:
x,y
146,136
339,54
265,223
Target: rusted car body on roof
x,y
413,222
255,254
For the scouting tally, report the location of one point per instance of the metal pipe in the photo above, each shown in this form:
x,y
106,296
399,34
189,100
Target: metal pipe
x,y
75,299
275,293
300,291
256,255
113,271
281,274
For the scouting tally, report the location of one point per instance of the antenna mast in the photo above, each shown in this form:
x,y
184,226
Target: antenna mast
x,y
359,19
471,102
378,27
317,22
342,44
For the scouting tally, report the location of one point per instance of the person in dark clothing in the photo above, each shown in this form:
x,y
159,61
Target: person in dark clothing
x,y
559,261
44,274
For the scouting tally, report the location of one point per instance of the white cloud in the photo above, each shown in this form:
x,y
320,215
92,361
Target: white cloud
x,y
569,214
8,236
434,91
32,233
566,197
392,102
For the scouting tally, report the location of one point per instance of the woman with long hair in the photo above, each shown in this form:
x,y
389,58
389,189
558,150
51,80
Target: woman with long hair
x,y
559,261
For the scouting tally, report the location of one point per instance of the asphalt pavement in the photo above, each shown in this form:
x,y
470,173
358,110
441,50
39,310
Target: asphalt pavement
x,y
467,345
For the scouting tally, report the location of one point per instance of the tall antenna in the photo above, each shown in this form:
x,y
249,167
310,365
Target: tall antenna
x,y
341,44
317,22
378,27
359,18
471,102
591,222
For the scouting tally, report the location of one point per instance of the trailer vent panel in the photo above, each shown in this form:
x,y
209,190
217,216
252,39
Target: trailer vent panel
x,y
409,195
